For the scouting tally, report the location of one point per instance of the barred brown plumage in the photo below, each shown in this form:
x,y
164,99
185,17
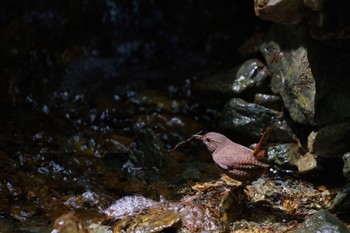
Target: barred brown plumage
x,y
237,161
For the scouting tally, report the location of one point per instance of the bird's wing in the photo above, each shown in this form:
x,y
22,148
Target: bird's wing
x,y
238,161
249,166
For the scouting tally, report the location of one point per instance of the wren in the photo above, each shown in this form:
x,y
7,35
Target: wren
x,y
237,161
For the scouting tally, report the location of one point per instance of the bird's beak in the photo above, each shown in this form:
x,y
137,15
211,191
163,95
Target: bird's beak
x,y
197,136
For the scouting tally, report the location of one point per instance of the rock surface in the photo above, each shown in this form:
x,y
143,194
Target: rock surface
x,y
235,80
251,120
330,141
307,163
306,73
292,79
284,155
346,167
280,11
325,19
322,222
341,202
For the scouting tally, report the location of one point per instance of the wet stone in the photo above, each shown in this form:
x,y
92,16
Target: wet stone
x,y
217,83
292,78
129,205
322,222
250,120
300,66
307,163
154,101
341,202
23,211
280,11
250,73
146,154
152,220
234,81
284,155
198,212
68,223
268,101
290,197
322,16
346,167
330,141
116,144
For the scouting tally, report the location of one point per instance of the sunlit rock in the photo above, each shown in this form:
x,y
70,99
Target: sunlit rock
x,y
292,79
307,163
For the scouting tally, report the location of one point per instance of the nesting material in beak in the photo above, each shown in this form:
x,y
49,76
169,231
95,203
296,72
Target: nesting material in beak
x,y
194,136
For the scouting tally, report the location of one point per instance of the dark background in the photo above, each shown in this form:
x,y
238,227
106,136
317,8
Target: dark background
x,y
45,43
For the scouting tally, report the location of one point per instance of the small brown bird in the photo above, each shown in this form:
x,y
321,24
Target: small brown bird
x,y
237,161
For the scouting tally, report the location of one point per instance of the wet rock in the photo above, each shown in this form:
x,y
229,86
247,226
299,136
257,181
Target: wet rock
x,y
280,11
146,154
115,144
152,220
291,197
197,212
250,73
208,213
250,120
306,74
235,80
346,167
292,79
217,82
330,141
341,202
68,223
84,146
284,155
322,222
23,211
325,19
87,199
307,163
129,205
96,228
269,101
244,226
154,101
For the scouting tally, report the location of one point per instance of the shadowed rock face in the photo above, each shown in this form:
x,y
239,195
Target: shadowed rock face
x,y
235,160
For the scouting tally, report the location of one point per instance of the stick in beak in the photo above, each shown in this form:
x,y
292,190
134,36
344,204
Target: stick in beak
x,y
194,136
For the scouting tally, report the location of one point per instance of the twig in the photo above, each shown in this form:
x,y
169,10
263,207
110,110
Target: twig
x,y
184,141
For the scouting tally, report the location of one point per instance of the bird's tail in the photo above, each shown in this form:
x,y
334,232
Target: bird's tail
x,y
260,152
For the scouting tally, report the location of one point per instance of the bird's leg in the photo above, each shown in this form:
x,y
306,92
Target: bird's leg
x,y
236,191
234,184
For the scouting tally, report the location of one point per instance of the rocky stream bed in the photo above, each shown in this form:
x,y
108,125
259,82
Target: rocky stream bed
x,y
90,117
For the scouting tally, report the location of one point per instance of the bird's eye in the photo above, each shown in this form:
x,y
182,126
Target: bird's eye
x,y
207,140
